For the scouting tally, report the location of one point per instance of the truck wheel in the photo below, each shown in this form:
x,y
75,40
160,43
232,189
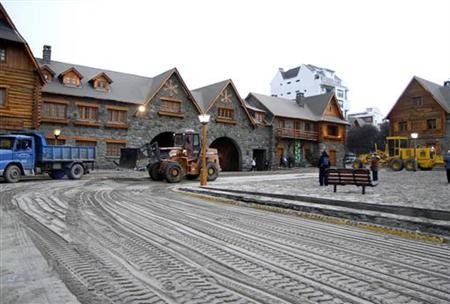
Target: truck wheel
x,y
153,171
57,174
76,171
213,171
396,164
410,164
12,174
174,173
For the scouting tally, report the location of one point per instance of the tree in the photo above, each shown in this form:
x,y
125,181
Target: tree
x,y
362,139
382,134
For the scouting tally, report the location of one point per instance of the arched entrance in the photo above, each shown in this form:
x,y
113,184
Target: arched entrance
x,y
229,153
164,139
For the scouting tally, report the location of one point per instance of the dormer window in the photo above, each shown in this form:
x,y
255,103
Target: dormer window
x,y
48,73
71,78
101,82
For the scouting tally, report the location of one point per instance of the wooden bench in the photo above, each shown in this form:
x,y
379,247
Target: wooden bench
x,y
343,176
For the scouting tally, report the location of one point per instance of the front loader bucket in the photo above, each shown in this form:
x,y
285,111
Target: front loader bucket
x,y
129,157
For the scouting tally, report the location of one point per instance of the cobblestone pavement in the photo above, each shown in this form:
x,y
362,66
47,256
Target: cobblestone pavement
x,y
116,237
421,189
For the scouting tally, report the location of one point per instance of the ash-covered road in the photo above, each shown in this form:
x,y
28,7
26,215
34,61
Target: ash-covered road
x,y
129,240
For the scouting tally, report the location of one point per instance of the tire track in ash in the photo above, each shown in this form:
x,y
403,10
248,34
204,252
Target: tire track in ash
x,y
251,269
86,270
430,290
188,281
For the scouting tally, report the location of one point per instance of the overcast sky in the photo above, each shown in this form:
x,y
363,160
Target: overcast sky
x,y
374,46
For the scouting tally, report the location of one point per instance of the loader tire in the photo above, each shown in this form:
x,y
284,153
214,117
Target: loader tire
x,y
174,173
410,164
213,171
396,164
153,171
12,174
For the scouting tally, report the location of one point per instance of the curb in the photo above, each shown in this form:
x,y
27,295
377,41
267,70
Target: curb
x,y
385,229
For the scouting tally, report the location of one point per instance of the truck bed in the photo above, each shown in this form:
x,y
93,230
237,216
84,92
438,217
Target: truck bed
x,y
68,153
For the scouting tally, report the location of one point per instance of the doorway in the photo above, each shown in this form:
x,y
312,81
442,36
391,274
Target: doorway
x,y
260,158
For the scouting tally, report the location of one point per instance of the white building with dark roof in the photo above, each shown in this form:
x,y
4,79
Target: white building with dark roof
x,y
309,80
371,116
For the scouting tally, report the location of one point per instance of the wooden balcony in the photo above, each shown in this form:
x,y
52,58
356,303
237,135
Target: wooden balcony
x,y
297,134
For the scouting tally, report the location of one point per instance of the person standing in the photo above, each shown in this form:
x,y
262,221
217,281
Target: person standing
x,y
447,165
324,164
374,165
253,165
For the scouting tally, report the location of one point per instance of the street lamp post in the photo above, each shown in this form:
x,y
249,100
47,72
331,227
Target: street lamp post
x,y
414,137
204,119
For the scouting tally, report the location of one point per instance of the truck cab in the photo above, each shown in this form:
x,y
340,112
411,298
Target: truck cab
x,y
18,150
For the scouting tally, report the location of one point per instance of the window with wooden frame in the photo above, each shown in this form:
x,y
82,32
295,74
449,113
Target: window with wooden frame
x,y
87,113
417,101
173,106
402,126
259,117
297,124
117,117
3,97
332,130
431,124
2,55
54,111
281,123
308,126
113,148
225,113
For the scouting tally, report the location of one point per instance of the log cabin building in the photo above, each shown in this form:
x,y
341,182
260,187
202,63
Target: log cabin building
x,y
302,128
20,79
424,108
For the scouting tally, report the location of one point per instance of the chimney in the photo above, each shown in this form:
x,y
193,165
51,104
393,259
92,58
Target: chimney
x,y
299,99
447,83
47,54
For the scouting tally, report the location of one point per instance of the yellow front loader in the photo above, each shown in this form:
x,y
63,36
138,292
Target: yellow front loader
x,y
399,154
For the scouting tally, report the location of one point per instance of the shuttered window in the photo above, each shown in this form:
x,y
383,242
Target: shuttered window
x,y
87,113
113,149
52,110
117,116
226,113
171,106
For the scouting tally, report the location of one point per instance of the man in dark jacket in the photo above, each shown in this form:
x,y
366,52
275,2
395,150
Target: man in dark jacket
x,y
324,163
447,165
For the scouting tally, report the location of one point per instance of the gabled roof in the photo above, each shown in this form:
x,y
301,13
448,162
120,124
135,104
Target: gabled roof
x,y
313,107
8,31
158,82
440,93
291,73
48,69
127,87
208,95
255,109
205,96
101,75
71,69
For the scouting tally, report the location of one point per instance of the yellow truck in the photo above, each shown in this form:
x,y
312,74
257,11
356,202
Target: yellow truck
x,y
400,153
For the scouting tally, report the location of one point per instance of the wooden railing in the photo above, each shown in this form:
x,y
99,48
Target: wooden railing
x,y
298,134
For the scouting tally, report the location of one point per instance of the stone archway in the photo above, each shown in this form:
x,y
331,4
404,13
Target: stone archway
x,y
229,153
164,139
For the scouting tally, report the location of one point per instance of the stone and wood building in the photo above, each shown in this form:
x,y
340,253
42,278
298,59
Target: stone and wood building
x,y
112,110
302,128
423,108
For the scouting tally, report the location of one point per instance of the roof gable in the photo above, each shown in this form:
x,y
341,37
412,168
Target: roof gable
x,y
101,75
71,70
220,92
439,93
8,31
164,82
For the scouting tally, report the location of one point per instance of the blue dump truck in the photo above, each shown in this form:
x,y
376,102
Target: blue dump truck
x,y
27,154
